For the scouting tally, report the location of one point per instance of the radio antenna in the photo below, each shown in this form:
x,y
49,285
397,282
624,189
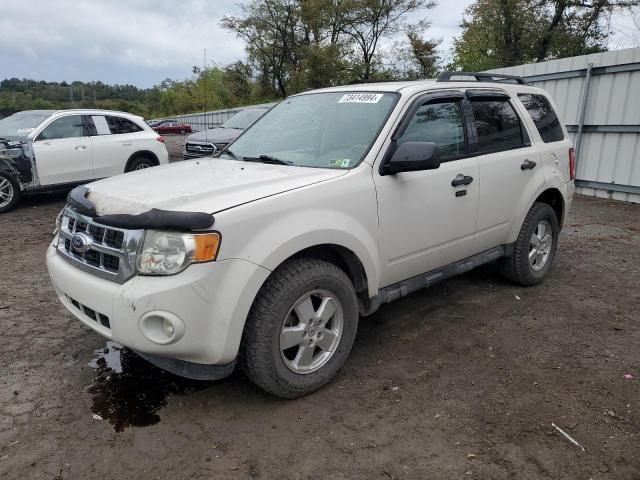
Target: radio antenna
x,y
204,78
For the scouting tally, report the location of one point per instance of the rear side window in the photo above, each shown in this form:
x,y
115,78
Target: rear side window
x,y
440,123
498,126
543,116
122,125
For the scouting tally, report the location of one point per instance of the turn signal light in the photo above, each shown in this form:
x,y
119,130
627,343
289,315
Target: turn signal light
x,y
206,247
160,138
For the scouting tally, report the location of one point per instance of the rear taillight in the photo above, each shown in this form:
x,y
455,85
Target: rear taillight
x,y
161,139
572,164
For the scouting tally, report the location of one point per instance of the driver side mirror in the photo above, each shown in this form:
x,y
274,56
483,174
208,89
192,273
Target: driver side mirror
x,y
412,157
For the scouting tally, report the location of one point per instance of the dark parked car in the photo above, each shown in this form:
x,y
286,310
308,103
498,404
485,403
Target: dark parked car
x,y
171,126
208,142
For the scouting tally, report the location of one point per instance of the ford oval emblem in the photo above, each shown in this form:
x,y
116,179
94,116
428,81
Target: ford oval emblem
x,y
80,242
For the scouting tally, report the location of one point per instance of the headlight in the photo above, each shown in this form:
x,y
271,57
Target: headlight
x,y
165,253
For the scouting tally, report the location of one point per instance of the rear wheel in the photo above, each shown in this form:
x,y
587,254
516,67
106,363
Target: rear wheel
x,y
183,132
535,247
140,163
301,328
9,192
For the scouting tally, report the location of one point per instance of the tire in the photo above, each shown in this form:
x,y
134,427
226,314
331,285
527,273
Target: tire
x,y
518,268
9,192
140,163
183,132
294,372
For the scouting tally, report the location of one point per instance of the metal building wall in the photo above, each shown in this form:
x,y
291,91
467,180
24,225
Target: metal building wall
x,y
607,85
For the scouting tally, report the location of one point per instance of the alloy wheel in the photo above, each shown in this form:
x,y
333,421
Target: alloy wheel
x,y
311,332
6,192
540,245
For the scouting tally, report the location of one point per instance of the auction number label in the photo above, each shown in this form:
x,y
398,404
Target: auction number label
x,y
361,98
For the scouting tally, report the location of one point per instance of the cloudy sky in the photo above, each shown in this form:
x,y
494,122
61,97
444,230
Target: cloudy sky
x,y
135,41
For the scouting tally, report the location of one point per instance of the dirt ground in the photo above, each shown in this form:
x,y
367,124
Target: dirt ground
x,y
459,381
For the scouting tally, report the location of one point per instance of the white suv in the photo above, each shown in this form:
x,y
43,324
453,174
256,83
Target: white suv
x,y
333,203
48,149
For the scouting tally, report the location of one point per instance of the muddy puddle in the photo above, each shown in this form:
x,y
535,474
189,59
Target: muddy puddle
x,y
129,391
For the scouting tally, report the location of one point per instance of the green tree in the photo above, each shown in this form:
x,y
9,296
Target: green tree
x,y
367,22
501,33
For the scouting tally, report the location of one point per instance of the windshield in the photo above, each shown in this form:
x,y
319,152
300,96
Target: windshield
x,y
243,119
328,130
21,124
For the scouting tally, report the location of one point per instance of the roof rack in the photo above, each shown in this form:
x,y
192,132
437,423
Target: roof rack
x,y
481,77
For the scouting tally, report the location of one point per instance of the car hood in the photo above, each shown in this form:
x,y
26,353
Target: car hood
x,y
216,135
201,185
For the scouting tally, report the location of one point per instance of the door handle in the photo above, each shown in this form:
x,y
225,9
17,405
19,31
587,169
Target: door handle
x,y
528,165
80,147
461,180
126,144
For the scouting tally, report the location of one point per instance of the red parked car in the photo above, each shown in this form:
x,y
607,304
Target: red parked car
x,y
171,126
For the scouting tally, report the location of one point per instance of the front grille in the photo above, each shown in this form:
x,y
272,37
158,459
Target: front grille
x,y
97,317
200,148
107,252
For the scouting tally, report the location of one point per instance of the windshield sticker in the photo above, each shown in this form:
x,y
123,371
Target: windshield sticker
x,y
340,162
361,98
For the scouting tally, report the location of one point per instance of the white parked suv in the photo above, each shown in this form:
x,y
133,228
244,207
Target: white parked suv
x,y
43,150
333,203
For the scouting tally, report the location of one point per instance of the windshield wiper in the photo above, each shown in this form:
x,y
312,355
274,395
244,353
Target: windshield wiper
x,y
268,159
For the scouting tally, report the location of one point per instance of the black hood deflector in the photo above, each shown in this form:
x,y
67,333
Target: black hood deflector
x,y
153,219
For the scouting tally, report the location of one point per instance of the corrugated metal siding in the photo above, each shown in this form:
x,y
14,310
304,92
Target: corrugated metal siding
x,y
202,121
611,158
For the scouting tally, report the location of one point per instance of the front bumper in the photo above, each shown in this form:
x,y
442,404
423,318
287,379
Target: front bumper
x,y
207,305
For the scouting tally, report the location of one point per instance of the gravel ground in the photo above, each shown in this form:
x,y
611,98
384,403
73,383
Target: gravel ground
x,y
462,380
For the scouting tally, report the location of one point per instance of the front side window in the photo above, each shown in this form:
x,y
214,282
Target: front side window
x,y
543,116
440,123
65,127
498,126
326,130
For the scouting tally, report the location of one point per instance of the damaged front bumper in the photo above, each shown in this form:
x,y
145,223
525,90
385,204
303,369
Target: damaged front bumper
x,y
16,158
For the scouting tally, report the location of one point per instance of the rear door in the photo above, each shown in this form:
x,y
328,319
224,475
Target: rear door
x,y
510,170
114,140
426,221
62,152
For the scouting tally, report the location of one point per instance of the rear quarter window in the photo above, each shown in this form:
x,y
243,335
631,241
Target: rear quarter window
x,y
544,117
119,125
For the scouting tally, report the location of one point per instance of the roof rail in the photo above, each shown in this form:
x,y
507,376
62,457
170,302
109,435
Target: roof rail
x,y
360,81
481,77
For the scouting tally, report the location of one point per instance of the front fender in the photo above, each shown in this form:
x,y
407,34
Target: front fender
x,y
341,211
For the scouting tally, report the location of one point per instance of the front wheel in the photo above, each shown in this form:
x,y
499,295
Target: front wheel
x,y
301,328
9,192
535,247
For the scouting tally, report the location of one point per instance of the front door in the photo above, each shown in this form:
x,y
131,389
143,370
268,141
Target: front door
x,y
62,152
427,222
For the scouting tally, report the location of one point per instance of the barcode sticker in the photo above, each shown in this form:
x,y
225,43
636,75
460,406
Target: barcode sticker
x,y
361,98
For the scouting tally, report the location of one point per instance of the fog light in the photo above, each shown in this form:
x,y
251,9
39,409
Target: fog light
x,y
162,327
167,327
